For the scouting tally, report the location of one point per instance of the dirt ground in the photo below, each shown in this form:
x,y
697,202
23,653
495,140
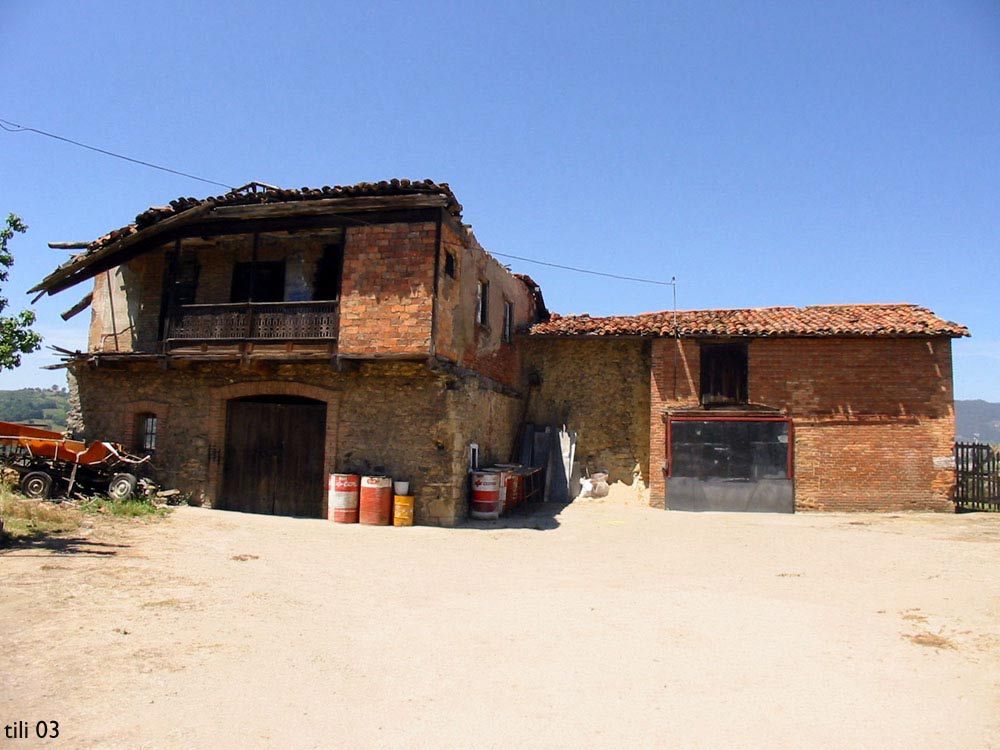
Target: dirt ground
x,y
599,625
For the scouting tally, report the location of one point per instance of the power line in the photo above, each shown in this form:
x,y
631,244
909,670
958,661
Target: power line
x,y
13,127
584,270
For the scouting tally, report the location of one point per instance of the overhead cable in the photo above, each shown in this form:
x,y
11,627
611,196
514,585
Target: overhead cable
x,y
13,127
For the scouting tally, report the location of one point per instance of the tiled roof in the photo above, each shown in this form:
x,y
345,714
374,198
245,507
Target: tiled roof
x,y
818,320
281,195
249,195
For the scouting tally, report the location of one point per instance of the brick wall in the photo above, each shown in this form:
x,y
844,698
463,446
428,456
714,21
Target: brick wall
x,y
599,388
388,289
125,312
673,383
458,335
870,415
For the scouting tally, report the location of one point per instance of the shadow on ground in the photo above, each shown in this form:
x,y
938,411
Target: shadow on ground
x,y
60,545
533,516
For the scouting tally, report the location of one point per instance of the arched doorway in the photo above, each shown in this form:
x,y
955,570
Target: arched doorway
x,y
274,456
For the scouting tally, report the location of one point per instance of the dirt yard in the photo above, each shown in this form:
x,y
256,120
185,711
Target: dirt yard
x,y
599,626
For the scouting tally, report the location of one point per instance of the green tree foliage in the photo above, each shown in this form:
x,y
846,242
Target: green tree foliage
x,y
16,336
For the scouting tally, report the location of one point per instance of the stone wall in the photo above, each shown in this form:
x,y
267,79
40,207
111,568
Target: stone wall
x,y
397,418
599,388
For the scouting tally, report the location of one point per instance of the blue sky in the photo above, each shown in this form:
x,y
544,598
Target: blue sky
x,y
764,153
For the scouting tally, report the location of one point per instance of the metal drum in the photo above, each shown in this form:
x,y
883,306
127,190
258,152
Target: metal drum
x,y
486,494
376,501
342,498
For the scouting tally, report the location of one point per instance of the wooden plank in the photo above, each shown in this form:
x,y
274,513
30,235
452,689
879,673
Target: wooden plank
x,y
330,205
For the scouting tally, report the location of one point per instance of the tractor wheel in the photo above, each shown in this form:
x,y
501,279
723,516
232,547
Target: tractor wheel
x,y
122,486
36,485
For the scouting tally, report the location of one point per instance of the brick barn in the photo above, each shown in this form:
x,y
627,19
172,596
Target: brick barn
x,y
840,407
257,341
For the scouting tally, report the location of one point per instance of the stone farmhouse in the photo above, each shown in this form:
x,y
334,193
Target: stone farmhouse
x,y
257,341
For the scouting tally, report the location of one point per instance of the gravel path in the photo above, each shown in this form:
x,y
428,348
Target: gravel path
x,y
597,626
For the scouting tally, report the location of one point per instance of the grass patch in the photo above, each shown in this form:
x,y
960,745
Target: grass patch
x,y
122,508
26,520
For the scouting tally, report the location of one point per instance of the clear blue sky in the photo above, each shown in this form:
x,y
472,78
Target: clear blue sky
x,y
764,153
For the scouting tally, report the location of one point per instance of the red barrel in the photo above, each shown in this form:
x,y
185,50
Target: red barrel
x,y
342,498
486,486
515,490
376,501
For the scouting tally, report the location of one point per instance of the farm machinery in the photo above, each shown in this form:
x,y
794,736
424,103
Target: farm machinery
x,y
50,465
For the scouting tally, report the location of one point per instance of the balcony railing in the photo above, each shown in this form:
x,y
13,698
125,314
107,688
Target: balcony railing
x,y
255,321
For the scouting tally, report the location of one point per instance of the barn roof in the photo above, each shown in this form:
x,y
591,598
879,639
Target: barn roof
x,y
878,320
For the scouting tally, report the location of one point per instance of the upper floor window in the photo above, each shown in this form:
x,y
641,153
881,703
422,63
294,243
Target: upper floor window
x,y
258,282
483,303
508,321
723,374
329,273
449,264
145,432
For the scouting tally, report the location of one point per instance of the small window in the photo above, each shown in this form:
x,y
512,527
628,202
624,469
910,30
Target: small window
x,y
449,264
508,321
146,432
723,374
483,304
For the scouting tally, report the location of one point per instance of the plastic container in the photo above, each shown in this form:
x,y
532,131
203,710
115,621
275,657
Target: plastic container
x,y
402,510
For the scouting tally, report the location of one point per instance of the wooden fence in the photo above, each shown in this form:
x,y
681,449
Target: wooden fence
x,y
977,477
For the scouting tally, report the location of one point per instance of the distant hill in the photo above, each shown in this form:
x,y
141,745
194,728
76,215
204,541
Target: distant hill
x,y
46,407
977,420
43,407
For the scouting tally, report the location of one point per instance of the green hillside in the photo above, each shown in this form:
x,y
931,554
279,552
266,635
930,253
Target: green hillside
x,y
44,407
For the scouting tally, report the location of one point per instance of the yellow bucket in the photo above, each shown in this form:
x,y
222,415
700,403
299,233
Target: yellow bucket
x,y
402,510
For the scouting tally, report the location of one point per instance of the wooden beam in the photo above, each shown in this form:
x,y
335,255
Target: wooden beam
x,y
330,205
78,307
69,245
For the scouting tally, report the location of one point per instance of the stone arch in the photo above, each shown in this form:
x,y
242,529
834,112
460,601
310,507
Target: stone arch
x,y
221,395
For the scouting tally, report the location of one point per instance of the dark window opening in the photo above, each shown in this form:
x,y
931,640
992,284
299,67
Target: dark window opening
x,y
723,374
258,282
483,304
508,321
186,279
145,432
449,264
730,449
329,273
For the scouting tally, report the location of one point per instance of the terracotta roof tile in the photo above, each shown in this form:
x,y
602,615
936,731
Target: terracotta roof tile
x,y
817,320
253,194
241,197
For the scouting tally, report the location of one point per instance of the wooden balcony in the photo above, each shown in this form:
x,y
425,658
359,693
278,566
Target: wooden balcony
x,y
260,323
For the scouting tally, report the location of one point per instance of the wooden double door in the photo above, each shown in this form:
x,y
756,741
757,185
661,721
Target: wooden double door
x,y
274,456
